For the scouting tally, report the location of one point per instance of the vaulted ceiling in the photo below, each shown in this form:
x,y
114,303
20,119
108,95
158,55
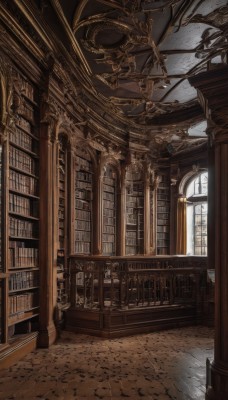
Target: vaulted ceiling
x,y
133,59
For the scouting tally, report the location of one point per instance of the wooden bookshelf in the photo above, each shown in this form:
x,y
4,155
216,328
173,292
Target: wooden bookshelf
x,y
134,213
163,215
109,212
23,213
62,272
2,277
83,202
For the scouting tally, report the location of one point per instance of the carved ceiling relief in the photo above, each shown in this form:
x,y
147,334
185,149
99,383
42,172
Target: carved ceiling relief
x,y
127,68
131,31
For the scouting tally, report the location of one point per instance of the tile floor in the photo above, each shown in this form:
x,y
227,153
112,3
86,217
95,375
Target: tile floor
x,y
168,365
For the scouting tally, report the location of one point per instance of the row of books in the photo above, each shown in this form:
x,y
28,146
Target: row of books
x,y
108,196
109,204
163,228
131,241
134,201
109,229
163,215
23,205
162,209
131,219
23,257
84,194
83,225
84,176
23,280
162,221
21,228
135,219
108,248
107,212
109,221
82,185
109,182
163,202
162,243
83,236
83,215
22,183
19,159
23,302
131,234
108,237
82,205
23,140
164,235
130,250
82,247
110,189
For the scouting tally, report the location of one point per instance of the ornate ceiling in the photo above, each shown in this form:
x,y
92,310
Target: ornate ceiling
x,y
130,62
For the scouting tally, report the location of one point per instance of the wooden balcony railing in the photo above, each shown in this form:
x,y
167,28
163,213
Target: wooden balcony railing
x,y
121,283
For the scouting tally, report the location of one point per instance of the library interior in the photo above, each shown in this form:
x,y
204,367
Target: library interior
x,y
114,199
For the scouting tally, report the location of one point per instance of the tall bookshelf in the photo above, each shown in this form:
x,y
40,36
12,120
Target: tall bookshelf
x,y
83,202
2,281
23,210
62,273
134,213
163,215
109,212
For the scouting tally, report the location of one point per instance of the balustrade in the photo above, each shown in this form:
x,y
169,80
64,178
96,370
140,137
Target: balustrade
x,y
120,283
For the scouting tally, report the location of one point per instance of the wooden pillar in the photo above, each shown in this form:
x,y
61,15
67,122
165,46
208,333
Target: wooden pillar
x,y
212,88
147,210
122,213
47,334
211,206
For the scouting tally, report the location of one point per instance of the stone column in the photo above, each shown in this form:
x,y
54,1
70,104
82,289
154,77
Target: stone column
x,y
212,88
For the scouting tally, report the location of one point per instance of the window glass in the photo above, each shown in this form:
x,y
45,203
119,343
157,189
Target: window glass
x,y
197,215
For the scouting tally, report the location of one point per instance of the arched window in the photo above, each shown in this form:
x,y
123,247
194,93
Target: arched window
x,y
196,195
